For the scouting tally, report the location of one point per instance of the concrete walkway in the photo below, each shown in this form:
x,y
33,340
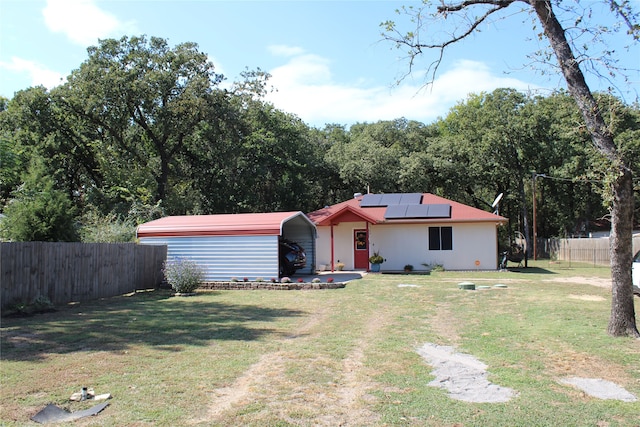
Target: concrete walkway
x,y
338,276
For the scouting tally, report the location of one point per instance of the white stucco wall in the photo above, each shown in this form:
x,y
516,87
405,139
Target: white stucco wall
x,y
343,244
474,245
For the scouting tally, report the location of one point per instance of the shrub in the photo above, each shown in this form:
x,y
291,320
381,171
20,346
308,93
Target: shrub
x,y
330,280
285,280
183,275
19,308
316,280
438,267
39,214
433,267
109,228
376,258
300,280
42,304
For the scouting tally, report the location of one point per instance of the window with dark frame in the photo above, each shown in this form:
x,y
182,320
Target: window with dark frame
x,y
440,238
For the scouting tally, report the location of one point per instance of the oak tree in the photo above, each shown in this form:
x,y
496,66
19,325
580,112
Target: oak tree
x,y
566,38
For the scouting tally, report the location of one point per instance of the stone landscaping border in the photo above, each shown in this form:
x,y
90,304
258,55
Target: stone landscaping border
x,y
293,286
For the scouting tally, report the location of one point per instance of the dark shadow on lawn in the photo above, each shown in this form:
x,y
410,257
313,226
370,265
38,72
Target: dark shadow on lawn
x,y
149,318
530,270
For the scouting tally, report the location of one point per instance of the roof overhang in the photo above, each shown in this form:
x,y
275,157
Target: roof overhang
x,y
347,214
497,221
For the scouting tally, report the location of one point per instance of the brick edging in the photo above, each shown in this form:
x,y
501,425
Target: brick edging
x,y
269,286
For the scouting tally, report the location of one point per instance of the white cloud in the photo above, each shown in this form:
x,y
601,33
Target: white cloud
x,y
284,50
38,74
305,88
83,22
305,71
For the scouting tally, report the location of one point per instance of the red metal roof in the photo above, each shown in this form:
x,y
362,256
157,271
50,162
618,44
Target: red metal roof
x,y
375,215
254,224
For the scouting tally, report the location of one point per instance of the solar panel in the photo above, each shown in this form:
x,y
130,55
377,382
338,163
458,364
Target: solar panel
x,y
439,211
371,200
411,199
390,199
396,212
415,211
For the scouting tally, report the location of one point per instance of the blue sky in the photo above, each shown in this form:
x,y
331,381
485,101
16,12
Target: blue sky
x,y
327,59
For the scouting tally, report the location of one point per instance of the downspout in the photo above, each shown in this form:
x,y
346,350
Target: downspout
x,y
332,251
368,244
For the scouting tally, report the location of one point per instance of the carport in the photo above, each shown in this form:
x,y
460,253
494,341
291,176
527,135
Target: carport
x,y
232,245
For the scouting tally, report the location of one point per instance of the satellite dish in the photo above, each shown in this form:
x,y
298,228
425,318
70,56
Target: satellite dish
x,y
497,200
494,205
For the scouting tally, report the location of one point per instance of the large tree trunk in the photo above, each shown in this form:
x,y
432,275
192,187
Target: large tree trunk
x,y
622,321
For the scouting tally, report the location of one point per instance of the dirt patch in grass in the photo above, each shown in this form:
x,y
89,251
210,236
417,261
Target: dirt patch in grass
x,y
571,363
590,375
593,281
270,367
444,325
586,297
344,402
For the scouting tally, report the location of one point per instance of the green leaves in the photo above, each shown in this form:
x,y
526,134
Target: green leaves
x,y
39,212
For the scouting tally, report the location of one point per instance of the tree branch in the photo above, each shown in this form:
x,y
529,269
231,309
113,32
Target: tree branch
x,y
415,47
460,6
631,19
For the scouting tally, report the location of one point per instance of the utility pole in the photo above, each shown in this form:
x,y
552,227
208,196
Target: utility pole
x,y
535,228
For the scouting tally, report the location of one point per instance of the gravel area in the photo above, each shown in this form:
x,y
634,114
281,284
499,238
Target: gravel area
x,y
464,376
602,389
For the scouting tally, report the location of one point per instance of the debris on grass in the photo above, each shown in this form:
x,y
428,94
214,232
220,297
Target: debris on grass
x,y
88,394
54,414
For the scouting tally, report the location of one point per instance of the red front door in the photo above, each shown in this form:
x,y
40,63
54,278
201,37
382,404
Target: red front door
x,y
360,250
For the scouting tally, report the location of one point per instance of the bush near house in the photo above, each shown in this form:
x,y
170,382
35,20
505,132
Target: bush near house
x,y
183,275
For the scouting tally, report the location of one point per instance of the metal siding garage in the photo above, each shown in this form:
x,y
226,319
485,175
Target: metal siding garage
x,y
298,230
226,246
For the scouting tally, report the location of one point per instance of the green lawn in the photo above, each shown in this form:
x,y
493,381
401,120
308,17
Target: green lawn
x,y
328,357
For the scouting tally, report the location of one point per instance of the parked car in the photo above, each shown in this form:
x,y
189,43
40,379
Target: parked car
x,y
635,272
292,257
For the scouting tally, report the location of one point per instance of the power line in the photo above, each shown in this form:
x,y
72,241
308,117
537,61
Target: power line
x,y
577,180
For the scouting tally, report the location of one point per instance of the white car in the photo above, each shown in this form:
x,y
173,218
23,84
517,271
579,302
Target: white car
x,y
635,272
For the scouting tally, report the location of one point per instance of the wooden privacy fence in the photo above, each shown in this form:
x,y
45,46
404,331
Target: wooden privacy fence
x,y
590,251
66,272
